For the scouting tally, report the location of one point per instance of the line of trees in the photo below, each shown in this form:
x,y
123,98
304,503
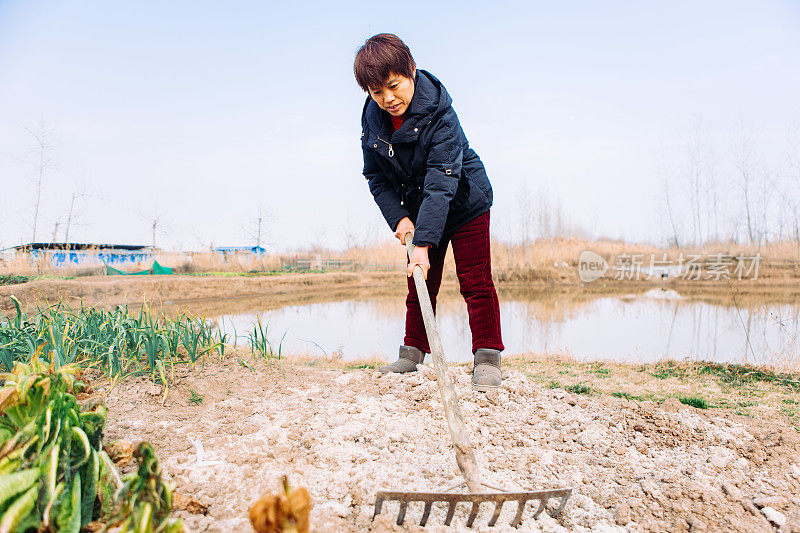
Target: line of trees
x,y
542,216
732,194
709,194
42,162
42,148
724,193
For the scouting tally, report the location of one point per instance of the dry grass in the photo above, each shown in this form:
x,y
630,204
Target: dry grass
x,y
546,260
556,260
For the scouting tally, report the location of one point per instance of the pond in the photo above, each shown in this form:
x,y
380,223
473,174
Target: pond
x,y
647,327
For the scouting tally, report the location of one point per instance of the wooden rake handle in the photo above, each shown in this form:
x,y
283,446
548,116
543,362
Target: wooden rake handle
x,y
465,457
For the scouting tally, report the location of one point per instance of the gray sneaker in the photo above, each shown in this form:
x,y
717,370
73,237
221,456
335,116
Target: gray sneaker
x,y
409,358
486,372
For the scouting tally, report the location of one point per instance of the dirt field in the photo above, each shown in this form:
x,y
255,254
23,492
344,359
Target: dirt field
x,y
634,466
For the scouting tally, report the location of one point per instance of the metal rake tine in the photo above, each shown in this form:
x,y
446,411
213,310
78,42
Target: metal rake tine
x,y
473,513
426,513
497,508
378,506
542,504
542,499
451,511
401,516
518,517
557,510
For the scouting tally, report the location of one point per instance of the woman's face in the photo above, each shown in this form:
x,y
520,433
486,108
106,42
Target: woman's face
x,y
395,95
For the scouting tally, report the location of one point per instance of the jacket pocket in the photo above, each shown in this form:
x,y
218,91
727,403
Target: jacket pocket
x,y
462,192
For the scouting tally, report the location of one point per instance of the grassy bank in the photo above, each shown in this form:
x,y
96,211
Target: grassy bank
x,y
741,389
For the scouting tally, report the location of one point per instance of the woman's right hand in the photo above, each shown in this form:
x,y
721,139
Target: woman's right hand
x,y
404,226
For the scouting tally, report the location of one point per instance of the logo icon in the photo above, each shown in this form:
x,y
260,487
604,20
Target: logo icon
x,y
591,266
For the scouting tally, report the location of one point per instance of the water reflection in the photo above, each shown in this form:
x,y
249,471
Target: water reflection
x,y
643,327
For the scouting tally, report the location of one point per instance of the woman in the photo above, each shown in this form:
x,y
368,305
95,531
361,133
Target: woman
x,y
427,180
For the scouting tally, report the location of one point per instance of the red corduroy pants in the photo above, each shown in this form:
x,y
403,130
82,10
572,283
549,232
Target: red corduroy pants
x,y
474,270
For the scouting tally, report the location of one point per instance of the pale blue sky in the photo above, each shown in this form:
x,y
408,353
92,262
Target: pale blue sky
x,y
201,111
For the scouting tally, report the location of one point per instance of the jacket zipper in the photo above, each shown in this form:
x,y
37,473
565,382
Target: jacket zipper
x,y
391,150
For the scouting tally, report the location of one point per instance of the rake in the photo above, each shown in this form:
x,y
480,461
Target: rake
x,y
464,455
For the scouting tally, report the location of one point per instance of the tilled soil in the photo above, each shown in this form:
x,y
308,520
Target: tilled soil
x,y
633,466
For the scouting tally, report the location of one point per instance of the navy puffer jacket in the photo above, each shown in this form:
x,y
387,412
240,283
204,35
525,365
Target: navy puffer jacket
x,y
425,170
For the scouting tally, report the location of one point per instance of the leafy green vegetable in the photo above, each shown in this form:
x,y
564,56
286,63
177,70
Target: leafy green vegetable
x,y
54,475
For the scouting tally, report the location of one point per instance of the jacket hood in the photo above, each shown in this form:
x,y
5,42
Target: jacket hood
x,y
430,100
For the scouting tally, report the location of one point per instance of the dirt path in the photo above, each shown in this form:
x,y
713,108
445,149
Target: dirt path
x,y
634,466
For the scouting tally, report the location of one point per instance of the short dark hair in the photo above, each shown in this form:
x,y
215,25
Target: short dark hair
x,y
379,56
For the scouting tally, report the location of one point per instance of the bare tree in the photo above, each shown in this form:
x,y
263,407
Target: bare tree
x,y
72,214
559,228
694,178
745,165
258,230
767,185
543,216
55,231
663,172
551,220
155,225
318,242
43,148
525,213
782,209
158,227
357,236
351,239
714,200
259,226
794,181
702,186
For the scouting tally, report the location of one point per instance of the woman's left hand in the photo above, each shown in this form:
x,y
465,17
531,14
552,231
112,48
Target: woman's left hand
x,y
419,257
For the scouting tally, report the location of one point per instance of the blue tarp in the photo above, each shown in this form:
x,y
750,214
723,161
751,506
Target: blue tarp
x,y
257,250
60,259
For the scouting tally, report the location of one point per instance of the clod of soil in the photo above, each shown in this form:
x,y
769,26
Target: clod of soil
x,y
633,466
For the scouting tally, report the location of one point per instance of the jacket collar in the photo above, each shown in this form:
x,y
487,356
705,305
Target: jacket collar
x,y
429,101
